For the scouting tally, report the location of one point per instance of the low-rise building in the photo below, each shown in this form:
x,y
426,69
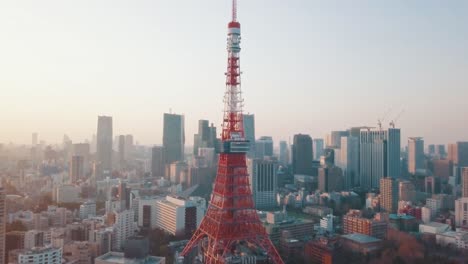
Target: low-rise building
x,y
433,228
47,255
361,243
119,257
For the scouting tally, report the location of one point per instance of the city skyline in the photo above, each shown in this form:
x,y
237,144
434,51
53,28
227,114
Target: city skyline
x,y
131,61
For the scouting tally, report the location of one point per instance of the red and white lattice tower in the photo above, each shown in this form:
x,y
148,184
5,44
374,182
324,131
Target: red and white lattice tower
x,y
231,218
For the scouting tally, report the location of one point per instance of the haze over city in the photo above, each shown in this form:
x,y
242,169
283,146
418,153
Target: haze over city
x,y
309,66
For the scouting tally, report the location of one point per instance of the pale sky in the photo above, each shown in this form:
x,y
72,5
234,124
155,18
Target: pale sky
x,y
309,66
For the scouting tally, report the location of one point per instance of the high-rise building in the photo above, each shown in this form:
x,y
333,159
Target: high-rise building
x,y
13,240
334,139
129,147
249,131
3,219
431,150
263,182
41,255
82,149
158,161
201,140
104,143
432,185
389,194
415,154
284,153
264,147
379,156
121,151
318,147
461,212
349,161
330,179
442,168
76,169
302,155
34,139
123,228
465,182
458,153
440,151
174,137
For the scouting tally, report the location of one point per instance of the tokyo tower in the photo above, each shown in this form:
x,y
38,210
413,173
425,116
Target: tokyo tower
x,y
231,229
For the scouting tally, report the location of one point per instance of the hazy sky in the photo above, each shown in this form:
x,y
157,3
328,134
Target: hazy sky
x,y
309,66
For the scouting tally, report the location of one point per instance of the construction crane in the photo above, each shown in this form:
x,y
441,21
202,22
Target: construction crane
x,y
392,123
382,119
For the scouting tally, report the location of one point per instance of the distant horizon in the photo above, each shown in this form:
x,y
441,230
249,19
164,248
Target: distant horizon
x,y
308,67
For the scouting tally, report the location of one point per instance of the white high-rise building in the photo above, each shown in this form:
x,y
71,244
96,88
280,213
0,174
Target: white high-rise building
x,y
326,223
461,212
87,209
318,147
175,215
415,154
263,182
124,227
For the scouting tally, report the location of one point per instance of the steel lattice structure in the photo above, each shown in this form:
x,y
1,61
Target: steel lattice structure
x,y
231,217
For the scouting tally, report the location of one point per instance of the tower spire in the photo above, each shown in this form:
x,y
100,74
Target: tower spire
x,y
231,224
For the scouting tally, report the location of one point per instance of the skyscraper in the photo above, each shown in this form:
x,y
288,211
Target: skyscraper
x,y
415,154
76,169
263,182
121,150
379,156
129,147
464,182
334,139
104,143
174,137
249,130
264,147
330,179
158,161
407,192
82,149
284,153
458,153
318,147
389,194
302,155
349,161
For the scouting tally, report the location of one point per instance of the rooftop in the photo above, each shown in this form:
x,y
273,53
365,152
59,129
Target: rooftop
x,y
360,238
401,216
435,224
118,258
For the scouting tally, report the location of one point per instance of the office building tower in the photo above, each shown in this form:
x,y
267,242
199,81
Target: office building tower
x,y
284,153
458,154
124,196
104,143
318,147
461,212
432,185
302,155
330,179
249,132
379,156
76,169
334,138
263,182
158,161
431,150
415,154
389,194
87,210
349,161
202,139
464,182
123,228
407,191
213,138
442,168
82,149
440,151
3,219
178,172
264,147
121,151
174,137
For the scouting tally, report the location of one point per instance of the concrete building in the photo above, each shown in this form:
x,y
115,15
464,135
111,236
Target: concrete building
x,y
458,154
13,240
104,144
67,194
389,195
87,209
178,172
379,156
263,182
353,222
434,228
319,251
175,215
330,179
461,212
426,214
284,155
249,131
202,139
3,212
47,255
435,205
77,171
124,228
361,243
301,229
415,154
349,161
302,155
119,257
464,181
407,191
442,168
80,252
326,224
432,185
121,151
33,239
264,147
334,139
174,137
